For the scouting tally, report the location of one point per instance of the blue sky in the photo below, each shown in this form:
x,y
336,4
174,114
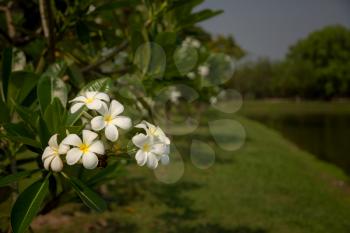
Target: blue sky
x,y
266,28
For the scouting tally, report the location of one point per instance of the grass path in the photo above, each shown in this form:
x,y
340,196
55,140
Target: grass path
x,y
267,186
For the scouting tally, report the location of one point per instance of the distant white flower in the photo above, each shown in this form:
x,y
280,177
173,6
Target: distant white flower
x,y
84,150
19,60
213,100
51,156
191,75
91,9
98,20
155,132
174,96
91,99
191,42
110,120
149,152
203,70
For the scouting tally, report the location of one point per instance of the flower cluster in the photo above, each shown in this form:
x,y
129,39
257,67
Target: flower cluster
x,y
87,148
153,146
202,70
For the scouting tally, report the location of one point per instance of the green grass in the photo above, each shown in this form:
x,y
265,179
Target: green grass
x,y
268,186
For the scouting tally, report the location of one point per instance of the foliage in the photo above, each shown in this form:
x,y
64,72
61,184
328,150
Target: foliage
x,y
53,51
317,67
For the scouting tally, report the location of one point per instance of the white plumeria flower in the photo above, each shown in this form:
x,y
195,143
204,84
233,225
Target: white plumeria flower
x,y
51,156
155,132
84,150
203,70
110,120
149,152
191,75
91,99
174,96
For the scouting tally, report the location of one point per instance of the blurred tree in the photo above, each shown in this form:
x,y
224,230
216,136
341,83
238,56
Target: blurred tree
x,y
327,51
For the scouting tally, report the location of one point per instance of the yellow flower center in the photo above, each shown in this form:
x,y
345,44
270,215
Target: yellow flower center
x,y
146,147
108,118
55,150
89,100
84,148
153,131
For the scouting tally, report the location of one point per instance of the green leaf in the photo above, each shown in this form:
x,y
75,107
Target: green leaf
x,y
44,133
198,17
51,85
6,70
74,117
115,5
89,197
76,77
19,132
150,58
28,115
4,112
55,117
28,204
21,84
101,85
15,177
83,32
106,174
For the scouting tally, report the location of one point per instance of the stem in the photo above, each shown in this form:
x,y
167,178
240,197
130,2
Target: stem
x,y
8,15
105,59
48,26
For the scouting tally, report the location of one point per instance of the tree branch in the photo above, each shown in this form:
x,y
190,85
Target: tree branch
x,y
105,59
8,15
48,26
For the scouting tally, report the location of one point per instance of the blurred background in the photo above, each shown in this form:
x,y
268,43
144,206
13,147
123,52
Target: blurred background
x,y
264,150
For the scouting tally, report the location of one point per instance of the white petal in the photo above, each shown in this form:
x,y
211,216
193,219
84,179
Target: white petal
x,y
111,133
102,96
90,160
47,152
47,162
94,105
78,99
103,109
141,157
139,140
98,123
160,149
89,136
115,108
165,159
72,139
152,161
53,141
73,156
76,107
122,122
90,94
142,125
97,147
149,125
63,149
56,164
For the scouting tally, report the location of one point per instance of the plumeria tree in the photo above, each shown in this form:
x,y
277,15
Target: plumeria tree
x,y
80,83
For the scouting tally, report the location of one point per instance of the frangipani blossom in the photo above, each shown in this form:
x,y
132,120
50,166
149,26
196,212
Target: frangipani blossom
x,y
156,133
149,153
91,99
51,156
84,150
203,70
110,120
